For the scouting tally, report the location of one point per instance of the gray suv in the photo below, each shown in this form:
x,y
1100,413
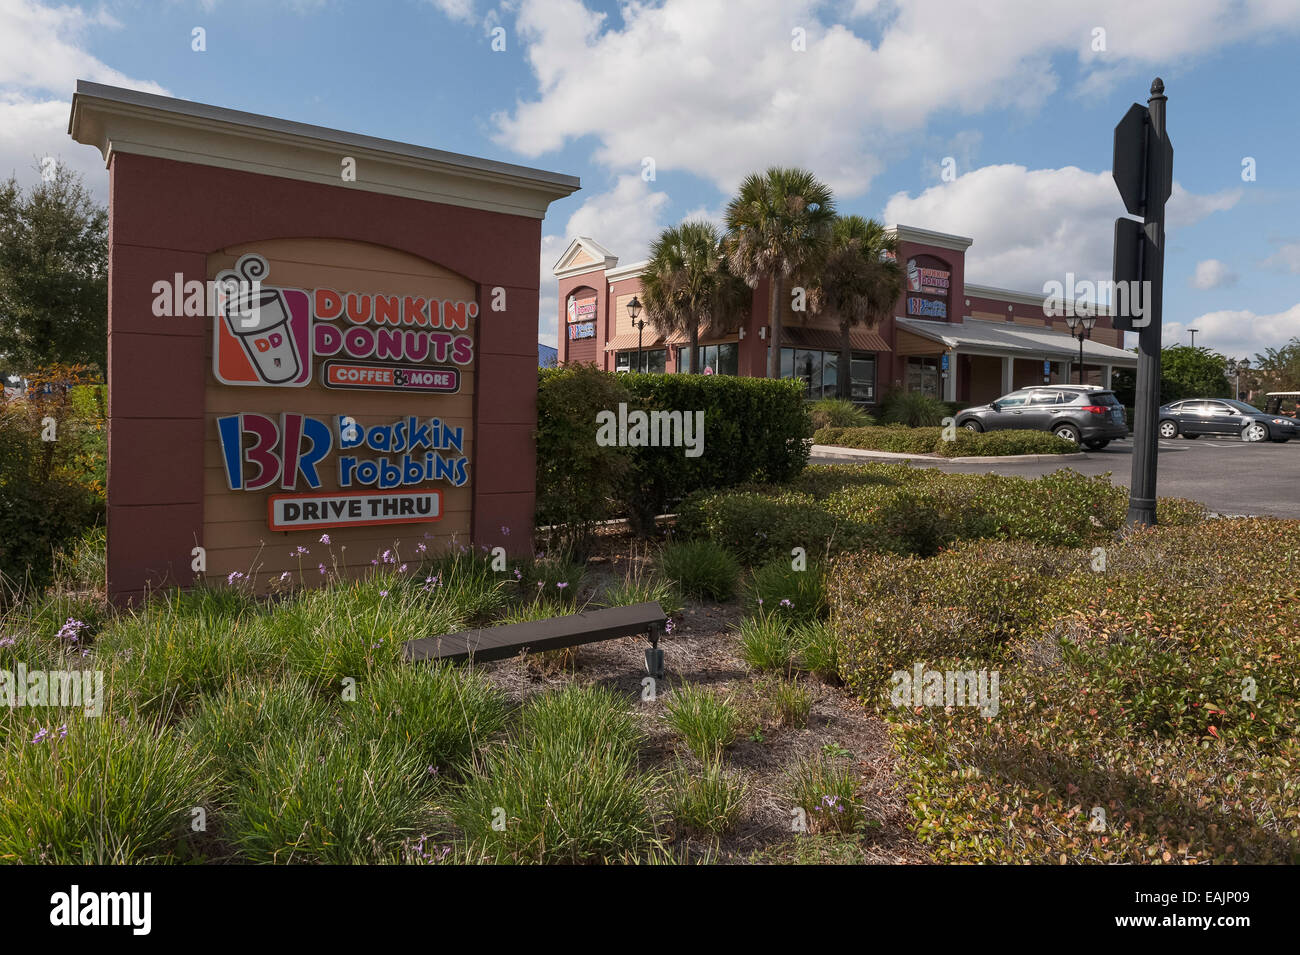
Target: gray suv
x,y
1085,414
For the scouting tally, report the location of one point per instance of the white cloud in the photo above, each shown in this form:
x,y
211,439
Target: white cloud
x,y
1236,333
462,11
41,59
1031,226
1286,257
1211,273
624,220
707,90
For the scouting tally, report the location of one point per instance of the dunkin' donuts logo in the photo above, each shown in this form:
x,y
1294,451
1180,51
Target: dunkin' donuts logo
x,y
269,336
263,334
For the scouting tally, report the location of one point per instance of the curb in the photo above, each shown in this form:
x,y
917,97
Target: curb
x,y
851,454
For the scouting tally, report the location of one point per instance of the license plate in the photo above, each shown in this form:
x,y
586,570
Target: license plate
x,y
1117,415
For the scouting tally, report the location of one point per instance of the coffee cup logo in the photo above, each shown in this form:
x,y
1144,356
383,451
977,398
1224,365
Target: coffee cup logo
x,y
259,320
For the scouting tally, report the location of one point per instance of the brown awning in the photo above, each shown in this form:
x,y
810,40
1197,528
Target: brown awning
x,y
628,340
828,339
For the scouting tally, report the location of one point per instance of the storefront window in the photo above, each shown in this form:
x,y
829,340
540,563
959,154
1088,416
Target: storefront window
x,y
820,372
653,360
721,359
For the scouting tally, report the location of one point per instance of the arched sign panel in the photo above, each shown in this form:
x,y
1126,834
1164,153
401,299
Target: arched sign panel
x,y
929,287
340,404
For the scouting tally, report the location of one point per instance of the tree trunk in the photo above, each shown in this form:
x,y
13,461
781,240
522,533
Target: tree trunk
x,y
846,360
774,323
694,332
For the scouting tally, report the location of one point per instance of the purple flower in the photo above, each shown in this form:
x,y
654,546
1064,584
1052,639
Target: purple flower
x,y
300,551
71,630
420,548
388,557
786,603
322,568
63,731
324,538
8,641
234,575
562,584
505,530
518,574
669,626
402,569
383,593
40,735
284,576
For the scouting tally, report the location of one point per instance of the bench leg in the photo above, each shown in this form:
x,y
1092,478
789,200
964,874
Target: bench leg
x,y
654,657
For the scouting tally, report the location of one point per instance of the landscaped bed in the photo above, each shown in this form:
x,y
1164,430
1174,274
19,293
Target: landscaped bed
x,y
944,442
1147,694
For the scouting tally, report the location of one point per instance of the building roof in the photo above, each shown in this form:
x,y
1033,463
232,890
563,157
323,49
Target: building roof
x,y
583,254
860,339
117,120
1015,340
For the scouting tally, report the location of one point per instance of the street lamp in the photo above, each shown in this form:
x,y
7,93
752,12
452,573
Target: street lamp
x,y
1080,327
633,310
1235,367
1193,332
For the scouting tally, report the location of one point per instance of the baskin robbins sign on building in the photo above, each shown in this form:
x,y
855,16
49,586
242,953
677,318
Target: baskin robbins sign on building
x,y
365,378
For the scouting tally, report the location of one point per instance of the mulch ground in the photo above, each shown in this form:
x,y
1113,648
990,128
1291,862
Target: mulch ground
x,y
703,650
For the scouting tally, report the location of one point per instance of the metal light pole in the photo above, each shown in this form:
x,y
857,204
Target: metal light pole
x,y
633,310
1080,327
1193,332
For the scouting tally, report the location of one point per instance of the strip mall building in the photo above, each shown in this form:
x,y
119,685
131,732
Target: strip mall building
x,y
945,337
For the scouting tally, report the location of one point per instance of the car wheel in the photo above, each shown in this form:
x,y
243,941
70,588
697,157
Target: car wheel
x,y
970,424
1168,429
1254,432
1097,444
1067,432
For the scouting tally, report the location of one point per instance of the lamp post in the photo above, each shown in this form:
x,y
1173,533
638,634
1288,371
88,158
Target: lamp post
x,y
633,310
1192,332
1235,367
1080,327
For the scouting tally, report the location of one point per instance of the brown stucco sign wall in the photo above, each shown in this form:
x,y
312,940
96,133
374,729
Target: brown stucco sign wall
x,y
296,354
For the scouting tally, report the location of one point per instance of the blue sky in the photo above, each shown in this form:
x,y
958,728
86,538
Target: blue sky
x,y
1021,94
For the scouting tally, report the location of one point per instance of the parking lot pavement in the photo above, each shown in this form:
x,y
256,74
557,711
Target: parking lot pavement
x,y
1227,475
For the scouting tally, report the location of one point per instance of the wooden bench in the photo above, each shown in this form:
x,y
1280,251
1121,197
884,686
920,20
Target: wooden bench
x,y
556,633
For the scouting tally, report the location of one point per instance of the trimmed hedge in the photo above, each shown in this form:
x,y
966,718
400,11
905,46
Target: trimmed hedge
x,y
1157,697
884,507
755,429
904,440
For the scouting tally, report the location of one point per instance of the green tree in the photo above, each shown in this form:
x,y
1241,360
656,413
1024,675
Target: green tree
x,y
778,225
1187,372
858,282
688,284
1278,369
53,273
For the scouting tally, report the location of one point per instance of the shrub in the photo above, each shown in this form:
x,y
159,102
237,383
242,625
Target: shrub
x,y
706,800
700,568
961,443
565,785
707,722
790,702
766,643
51,492
838,413
794,595
912,408
444,713
317,797
639,586
96,791
1162,692
817,649
760,526
581,483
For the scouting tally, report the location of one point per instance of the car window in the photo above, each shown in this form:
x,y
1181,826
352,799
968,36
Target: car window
x,y
1045,398
1218,407
1014,400
1103,398
1193,407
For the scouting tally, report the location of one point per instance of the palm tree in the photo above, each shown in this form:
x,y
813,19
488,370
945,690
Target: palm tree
x,y
687,284
778,225
859,282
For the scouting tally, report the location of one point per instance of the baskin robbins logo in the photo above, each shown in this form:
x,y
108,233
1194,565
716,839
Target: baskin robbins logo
x,y
270,335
